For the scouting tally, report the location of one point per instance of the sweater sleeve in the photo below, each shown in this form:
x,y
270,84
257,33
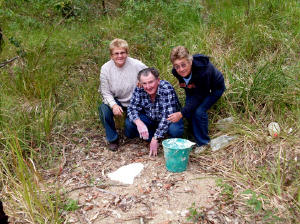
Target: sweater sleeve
x,y
104,89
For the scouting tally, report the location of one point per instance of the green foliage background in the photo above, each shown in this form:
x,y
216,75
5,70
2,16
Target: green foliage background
x,y
62,45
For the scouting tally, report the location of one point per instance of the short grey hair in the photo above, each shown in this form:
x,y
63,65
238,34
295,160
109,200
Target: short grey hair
x,y
180,52
147,71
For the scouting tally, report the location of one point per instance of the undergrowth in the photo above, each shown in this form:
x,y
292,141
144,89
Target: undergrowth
x,y
53,83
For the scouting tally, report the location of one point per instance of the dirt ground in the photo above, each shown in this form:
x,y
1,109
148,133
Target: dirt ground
x,y
156,196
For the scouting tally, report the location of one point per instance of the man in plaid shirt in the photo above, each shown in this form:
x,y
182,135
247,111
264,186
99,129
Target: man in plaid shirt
x,y
149,108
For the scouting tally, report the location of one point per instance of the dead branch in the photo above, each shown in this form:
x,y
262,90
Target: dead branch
x,y
98,187
8,61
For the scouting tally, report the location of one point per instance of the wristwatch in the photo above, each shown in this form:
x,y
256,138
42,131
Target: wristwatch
x,y
155,137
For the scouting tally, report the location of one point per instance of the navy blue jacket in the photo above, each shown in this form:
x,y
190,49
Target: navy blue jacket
x,y
206,82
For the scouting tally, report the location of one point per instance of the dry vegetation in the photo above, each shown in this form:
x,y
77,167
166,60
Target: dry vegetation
x,y
51,141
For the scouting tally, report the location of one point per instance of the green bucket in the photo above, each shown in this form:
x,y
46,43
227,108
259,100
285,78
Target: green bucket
x,y
176,152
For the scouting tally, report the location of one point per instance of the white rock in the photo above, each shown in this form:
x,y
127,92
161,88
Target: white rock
x,y
184,213
169,212
274,129
126,174
221,142
225,123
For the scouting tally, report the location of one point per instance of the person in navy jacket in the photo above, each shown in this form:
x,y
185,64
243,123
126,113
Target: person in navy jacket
x,y
203,85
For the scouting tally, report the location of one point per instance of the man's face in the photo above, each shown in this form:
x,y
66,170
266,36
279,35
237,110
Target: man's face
x,y
119,56
183,67
150,84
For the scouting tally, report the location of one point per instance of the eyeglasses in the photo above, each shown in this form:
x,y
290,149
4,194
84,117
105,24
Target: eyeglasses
x,y
182,65
119,53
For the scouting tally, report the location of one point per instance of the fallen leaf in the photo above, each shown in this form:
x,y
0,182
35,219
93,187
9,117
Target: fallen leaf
x,y
139,160
87,208
167,186
165,222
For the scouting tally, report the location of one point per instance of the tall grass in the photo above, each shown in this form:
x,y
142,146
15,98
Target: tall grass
x,y
25,193
254,43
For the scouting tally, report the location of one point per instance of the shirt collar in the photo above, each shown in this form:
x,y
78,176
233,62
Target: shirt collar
x,y
159,89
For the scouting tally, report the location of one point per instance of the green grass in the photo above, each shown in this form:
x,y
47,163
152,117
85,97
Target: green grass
x,y
55,81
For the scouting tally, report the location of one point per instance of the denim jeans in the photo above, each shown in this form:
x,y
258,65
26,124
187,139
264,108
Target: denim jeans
x,y
175,129
199,118
107,119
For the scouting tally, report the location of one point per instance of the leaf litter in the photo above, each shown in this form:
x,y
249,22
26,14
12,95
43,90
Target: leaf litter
x,y
156,195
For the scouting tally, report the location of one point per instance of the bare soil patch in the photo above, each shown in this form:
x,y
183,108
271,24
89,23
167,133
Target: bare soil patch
x,y
156,196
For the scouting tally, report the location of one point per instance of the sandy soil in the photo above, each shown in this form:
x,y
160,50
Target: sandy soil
x,y
156,196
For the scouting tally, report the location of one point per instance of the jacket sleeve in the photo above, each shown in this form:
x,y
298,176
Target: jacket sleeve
x,y
217,87
191,103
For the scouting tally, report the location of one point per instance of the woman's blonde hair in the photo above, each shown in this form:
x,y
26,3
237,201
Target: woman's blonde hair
x,y
180,52
118,43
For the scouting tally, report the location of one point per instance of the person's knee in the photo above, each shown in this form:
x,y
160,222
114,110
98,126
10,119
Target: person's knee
x,y
130,129
200,113
176,130
104,111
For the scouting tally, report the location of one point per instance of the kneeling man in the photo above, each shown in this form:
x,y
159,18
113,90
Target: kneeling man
x,y
149,108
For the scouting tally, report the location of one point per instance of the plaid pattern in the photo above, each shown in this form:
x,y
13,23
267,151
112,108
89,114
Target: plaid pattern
x,y
166,102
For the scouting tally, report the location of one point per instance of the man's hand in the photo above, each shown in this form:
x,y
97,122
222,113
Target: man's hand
x,y
153,147
175,117
142,129
117,110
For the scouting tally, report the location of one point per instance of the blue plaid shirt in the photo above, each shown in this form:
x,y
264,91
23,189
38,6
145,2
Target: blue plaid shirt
x,y
166,102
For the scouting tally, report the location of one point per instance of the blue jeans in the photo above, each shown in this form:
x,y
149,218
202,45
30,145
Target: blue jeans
x,y
175,129
107,119
199,118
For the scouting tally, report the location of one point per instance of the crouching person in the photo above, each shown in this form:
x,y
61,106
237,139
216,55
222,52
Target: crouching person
x,y
203,85
118,79
149,108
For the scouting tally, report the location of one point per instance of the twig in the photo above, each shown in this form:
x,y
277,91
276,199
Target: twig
x,y
63,161
80,218
136,217
105,213
58,170
141,217
98,187
8,61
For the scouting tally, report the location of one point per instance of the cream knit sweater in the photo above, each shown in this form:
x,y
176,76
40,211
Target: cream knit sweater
x,y
118,82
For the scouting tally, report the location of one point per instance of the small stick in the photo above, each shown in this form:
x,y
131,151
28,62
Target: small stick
x,y
98,187
8,61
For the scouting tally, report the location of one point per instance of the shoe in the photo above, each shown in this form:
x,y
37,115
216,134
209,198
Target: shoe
x,y
200,149
113,146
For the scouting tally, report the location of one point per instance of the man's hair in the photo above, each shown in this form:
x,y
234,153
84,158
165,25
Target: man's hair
x,y
118,43
180,52
147,71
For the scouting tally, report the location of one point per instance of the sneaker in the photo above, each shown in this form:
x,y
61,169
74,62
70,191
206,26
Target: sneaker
x,y
113,146
200,149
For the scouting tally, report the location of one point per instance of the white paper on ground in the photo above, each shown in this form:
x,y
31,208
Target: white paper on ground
x,y
126,174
